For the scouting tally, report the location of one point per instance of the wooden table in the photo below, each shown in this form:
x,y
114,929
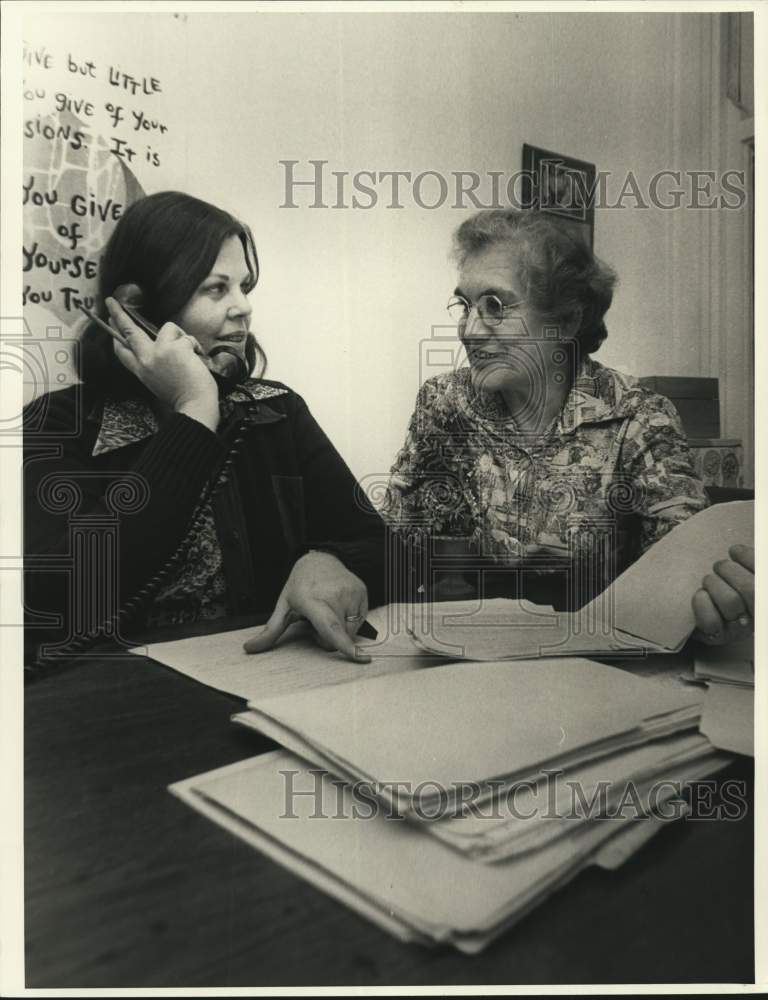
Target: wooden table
x,y
128,887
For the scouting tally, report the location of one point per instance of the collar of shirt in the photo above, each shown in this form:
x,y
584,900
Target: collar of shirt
x,y
596,396
125,421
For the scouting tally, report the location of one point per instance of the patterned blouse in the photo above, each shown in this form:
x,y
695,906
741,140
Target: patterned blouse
x,y
609,477
196,588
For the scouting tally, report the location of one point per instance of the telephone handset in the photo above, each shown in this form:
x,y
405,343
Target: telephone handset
x,y
224,363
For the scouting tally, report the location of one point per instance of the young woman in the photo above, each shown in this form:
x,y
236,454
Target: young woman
x,y
159,493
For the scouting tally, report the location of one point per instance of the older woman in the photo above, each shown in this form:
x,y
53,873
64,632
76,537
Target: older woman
x,y
536,459
227,495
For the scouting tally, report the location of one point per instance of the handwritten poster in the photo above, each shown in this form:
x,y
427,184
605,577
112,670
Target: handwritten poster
x,y
95,138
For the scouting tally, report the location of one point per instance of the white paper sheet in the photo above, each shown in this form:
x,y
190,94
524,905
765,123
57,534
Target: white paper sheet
x,y
296,664
652,598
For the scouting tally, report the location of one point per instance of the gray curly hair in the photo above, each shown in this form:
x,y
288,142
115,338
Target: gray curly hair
x,y
559,275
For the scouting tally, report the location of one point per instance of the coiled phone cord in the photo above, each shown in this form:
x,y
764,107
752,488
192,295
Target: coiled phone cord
x,y
80,644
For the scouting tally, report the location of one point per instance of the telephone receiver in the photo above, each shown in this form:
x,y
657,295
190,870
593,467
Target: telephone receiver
x,y
224,363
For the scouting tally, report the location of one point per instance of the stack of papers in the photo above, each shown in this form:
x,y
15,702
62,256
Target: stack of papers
x,y
444,803
567,763
728,718
386,869
731,664
627,783
419,739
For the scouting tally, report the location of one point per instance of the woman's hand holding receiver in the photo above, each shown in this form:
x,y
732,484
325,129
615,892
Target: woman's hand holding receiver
x,y
171,367
724,606
334,601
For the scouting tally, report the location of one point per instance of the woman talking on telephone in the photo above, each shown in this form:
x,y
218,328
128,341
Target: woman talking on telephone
x,y
238,501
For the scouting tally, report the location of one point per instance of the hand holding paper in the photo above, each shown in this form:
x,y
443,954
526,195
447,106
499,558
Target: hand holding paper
x,y
724,606
647,607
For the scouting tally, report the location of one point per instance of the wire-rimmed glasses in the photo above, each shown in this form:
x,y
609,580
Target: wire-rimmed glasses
x,y
490,309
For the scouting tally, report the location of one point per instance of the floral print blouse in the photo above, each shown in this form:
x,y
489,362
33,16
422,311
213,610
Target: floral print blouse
x,y
610,476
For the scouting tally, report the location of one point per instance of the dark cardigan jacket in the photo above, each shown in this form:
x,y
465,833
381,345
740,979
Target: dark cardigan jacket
x,y
286,490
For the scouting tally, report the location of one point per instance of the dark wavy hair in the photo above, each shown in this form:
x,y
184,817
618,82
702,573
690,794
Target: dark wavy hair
x,y
559,274
167,244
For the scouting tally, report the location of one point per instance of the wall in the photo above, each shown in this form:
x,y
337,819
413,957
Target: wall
x,y
349,297
104,120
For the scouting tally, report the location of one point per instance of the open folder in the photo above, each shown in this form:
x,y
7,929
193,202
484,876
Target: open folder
x,y
421,739
648,607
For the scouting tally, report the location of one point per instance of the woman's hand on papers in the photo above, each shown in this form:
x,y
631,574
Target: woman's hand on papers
x,y
724,606
322,591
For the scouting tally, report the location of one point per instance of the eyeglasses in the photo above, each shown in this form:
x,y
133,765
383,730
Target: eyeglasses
x,y
490,309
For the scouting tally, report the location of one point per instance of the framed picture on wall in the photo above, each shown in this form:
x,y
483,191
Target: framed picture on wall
x,y
562,186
